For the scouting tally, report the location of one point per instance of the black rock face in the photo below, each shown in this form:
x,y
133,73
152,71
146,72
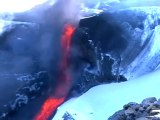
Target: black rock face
x,y
92,40
105,32
67,116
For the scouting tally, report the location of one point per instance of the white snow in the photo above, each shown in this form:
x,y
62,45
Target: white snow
x,y
102,101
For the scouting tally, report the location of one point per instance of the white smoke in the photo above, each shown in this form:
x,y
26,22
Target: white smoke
x,y
72,10
8,9
18,5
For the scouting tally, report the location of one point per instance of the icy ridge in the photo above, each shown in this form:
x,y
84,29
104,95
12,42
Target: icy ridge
x,y
143,49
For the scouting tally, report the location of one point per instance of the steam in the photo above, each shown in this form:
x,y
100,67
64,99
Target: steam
x,y
71,11
18,5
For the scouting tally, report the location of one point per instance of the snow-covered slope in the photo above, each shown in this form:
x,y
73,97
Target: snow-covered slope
x,y
102,101
142,26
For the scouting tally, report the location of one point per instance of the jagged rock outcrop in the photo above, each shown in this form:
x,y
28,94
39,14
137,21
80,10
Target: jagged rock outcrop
x,y
148,109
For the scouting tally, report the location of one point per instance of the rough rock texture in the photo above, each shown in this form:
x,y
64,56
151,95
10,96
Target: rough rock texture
x,y
67,116
94,42
148,109
33,86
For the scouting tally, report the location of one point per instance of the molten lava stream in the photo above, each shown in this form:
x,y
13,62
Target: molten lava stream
x,y
64,80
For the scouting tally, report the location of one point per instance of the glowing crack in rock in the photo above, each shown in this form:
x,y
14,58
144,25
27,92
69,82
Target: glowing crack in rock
x,y
64,81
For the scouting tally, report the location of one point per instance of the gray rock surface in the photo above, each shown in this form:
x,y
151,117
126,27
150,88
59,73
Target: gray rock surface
x,y
148,109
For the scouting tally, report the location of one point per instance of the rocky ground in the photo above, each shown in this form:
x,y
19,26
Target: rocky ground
x,y
32,87
148,109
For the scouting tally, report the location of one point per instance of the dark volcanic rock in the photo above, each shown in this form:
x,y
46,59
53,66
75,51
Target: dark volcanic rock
x,y
147,110
67,116
34,85
94,43
149,101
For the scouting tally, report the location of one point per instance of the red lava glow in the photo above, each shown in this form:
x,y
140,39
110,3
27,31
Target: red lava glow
x,y
49,106
64,80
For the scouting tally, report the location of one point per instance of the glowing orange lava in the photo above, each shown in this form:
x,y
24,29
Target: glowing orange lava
x,y
64,81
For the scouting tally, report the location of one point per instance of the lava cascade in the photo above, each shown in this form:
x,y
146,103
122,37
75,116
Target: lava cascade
x,y
64,80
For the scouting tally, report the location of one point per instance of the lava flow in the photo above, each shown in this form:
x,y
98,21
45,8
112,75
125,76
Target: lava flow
x,y
64,80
